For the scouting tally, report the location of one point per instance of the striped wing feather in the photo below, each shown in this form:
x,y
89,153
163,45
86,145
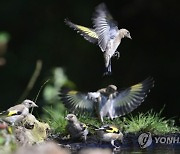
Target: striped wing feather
x,y
88,33
76,101
129,99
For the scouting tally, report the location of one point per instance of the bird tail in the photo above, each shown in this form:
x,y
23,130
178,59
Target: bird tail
x,y
3,113
108,70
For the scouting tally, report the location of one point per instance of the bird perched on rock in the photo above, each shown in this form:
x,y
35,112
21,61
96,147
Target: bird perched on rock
x,y
108,102
18,112
76,129
109,133
105,33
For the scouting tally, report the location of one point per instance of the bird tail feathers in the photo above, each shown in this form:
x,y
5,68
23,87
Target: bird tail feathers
x,y
108,70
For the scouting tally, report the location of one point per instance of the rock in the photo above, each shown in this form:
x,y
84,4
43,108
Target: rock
x,y
32,131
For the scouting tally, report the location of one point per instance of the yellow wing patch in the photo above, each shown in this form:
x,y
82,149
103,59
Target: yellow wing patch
x,y
112,130
73,92
84,126
9,129
137,87
88,31
11,113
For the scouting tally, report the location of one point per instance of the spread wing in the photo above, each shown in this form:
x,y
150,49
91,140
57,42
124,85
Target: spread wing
x,y
105,27
76,101
88,33
129,99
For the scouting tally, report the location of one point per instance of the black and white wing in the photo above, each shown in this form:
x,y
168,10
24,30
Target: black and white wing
x,y
88,33
76,101
129,99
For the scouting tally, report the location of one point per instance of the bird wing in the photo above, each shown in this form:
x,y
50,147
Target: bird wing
x,y
76,101
129,99
110,129
88,33
105,27
83,126
15,110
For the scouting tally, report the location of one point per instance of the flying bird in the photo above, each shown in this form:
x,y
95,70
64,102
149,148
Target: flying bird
x,y
105,33
107,102
18,112
75,128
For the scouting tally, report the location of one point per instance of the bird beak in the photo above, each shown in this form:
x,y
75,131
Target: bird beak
x,y
130,37
35,105
66,118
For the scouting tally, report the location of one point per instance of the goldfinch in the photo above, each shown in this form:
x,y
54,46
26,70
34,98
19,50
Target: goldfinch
x,y
105,33
75,128
109,133
18,112
108,102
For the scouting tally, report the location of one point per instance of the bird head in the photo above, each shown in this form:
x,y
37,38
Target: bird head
x,y
71,118
111,89
125,33
28,103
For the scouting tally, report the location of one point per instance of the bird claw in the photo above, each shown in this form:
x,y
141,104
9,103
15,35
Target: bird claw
x,y
116,54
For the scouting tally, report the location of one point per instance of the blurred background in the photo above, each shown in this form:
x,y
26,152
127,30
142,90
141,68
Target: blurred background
x,y
35,30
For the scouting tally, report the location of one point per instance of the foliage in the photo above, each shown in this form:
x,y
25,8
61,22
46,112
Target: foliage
x,y
4,37
54,110
150,122
55,118
143,122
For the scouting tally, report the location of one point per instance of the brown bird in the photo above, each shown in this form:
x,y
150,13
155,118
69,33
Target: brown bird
x,y
76,129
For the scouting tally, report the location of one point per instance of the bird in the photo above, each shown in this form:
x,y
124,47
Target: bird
x,y
105,33
109,133
75,128
108,102
18,112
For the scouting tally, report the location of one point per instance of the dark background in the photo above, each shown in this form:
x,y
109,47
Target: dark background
x,y
38,31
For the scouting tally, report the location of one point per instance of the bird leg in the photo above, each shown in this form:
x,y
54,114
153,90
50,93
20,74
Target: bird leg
x,y
112,143
116,54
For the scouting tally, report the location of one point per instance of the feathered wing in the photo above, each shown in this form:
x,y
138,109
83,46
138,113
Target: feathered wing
x,y
105,27
129,99
15,110
88,33
76,101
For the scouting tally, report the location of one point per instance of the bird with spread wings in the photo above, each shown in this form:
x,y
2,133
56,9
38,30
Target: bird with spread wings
x,y
108,102
105,33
